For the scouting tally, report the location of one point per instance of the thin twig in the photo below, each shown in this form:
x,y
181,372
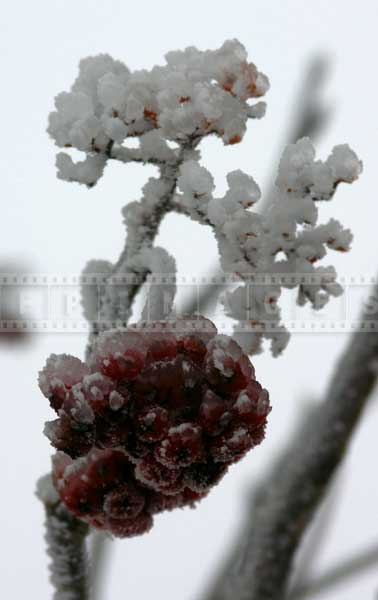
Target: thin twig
x,y
65,537
310,116
308,119
351,567
288,498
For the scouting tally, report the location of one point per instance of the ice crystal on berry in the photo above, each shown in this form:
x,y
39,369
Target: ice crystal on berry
x,y
152,422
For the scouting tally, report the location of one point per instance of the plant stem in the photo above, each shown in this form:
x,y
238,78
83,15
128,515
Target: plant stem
x,y
66,546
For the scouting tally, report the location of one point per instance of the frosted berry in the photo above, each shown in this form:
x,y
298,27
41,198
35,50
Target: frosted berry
x,y
61,372
182,446
126,502
214,413
153,474
230,447
151,422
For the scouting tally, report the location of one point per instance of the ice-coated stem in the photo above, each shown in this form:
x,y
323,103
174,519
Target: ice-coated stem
x,y
153,217
66,546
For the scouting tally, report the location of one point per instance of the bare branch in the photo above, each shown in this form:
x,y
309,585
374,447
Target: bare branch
x,y
349,568
286,502
65,537
309,116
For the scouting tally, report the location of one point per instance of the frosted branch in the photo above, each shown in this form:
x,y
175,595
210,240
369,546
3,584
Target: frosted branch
x,y
161,289
65,537
138,257
259,567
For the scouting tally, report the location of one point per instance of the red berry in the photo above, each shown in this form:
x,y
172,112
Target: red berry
x,y
182,446
214,415
230,447
252,406
158,477
125,366
60,373
125,502
130,527
153,423
120,354
194,347
162,346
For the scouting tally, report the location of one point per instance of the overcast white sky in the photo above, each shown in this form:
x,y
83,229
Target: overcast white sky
x,y
57,227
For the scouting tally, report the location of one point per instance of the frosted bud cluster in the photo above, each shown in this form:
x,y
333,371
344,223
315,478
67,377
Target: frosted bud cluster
x,y
194,94
287,239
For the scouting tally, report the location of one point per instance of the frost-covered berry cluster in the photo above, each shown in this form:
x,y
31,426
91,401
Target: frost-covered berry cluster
x,y
151,422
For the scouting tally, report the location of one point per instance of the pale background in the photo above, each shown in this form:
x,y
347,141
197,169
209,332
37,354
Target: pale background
x,y
57,227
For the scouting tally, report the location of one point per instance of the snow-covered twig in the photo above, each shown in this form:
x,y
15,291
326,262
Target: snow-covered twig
x,y
65,537
286,501
143,220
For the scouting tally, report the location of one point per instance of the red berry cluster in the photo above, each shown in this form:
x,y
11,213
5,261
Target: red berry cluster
x,y
152,422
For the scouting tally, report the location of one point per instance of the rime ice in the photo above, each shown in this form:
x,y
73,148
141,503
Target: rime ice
x,y
250,243
194,94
